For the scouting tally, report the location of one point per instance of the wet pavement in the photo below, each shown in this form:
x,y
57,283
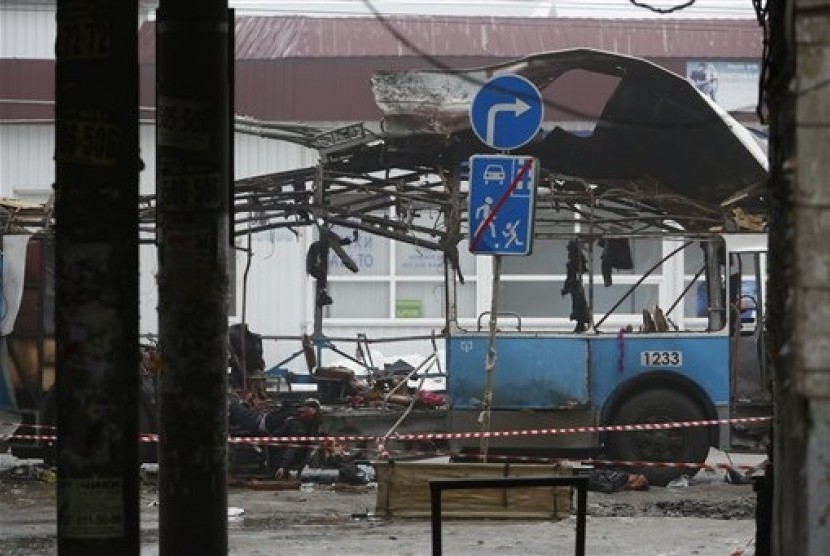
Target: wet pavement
x,y
707,517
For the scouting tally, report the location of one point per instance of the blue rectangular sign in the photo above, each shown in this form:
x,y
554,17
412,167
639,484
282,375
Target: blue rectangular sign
x,y
501,204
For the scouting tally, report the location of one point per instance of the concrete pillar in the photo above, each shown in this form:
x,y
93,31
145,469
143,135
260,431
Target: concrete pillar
x,y
799,321
192,182
811,271
96,313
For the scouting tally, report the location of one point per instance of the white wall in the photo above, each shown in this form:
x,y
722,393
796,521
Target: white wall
x,y
27,170
277,297
27,29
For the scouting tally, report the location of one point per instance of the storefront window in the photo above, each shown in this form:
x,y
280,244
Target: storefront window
x,y
415,280
355,300
532,286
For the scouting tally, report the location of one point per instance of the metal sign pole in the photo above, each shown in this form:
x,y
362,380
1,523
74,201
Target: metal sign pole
x,y
505,114
484,417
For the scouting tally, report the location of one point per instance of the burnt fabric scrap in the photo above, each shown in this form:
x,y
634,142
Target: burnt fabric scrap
x,y
575,266
607,480
616,254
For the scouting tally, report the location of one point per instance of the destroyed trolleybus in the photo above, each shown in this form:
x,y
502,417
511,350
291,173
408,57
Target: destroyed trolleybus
x,y
639,303
662,328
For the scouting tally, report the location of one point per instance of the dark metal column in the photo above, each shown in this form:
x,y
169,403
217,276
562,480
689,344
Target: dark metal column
x,y
192,176
781,527
96,316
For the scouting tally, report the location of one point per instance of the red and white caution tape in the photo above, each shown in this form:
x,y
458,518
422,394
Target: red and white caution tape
x,y
41,437
578,430
667,464
513,458
384,453
448,435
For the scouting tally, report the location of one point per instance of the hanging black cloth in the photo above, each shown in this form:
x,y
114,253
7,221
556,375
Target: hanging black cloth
x,y
616,253
317,260
576,265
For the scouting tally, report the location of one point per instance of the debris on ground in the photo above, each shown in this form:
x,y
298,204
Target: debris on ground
x,y
612,480
681,482
34,471
268,484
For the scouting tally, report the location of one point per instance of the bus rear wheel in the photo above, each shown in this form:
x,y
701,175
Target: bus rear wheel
x,y
680,445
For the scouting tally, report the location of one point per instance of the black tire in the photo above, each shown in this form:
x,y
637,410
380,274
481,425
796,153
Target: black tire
x,y
659,405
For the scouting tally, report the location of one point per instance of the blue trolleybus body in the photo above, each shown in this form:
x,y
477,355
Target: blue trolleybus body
x,y
697,358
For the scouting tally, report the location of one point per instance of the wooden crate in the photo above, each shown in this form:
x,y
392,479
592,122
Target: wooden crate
x,y
403,491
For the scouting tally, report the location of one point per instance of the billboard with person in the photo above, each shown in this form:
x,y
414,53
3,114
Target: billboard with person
x,y
733,85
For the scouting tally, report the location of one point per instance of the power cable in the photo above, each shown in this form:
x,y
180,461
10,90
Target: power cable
x,y
662,11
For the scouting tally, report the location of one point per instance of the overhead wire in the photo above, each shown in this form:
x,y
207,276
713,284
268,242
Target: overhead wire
x,y
662,11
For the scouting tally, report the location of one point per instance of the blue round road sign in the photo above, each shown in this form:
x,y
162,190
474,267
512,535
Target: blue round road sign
x,y
506,112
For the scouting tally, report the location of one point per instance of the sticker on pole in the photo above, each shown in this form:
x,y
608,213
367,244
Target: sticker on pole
x,y
501,204
506,112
